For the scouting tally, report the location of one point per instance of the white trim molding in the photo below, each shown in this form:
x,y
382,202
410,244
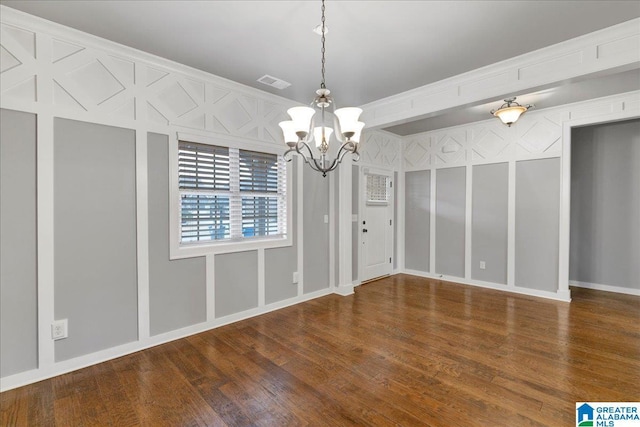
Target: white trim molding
x,y
542,134
178,251
617,110
345,230
559,296
59,368
345,290
64,73
606,288
611,49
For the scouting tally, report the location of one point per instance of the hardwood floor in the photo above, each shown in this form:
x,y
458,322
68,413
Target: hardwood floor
x,y
401,351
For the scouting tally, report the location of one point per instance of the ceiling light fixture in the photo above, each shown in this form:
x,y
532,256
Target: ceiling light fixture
x,y
511,111
302,128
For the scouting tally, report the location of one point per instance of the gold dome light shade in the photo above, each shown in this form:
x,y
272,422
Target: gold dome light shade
x,y
510,111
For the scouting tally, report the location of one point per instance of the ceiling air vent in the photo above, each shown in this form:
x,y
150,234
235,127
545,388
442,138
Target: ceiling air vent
x,y
273,82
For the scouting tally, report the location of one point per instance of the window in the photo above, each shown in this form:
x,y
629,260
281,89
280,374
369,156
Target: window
x,y
377,189
230,195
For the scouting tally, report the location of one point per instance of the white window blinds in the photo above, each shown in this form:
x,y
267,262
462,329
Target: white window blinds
x,y
377,189
228,194
203,167
258,171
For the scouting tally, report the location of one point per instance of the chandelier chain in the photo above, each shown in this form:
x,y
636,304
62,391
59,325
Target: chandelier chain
x,y
301,129
322,84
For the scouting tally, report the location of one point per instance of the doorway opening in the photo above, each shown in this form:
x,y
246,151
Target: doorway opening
x,y
600,204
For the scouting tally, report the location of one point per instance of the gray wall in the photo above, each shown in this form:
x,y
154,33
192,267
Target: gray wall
x,y
605,204
450,221
95,236
281,263
537,224
18,298
417,220
236,282
489,222
177,289
316,232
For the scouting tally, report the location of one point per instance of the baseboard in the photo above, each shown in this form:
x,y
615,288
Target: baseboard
x,y
344,290
606,288
66,366
557,296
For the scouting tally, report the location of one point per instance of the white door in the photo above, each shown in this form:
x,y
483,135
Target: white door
x,y
376,223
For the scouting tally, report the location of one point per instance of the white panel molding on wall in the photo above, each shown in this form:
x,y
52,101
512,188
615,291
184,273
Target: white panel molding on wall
x,y
537,135
381,149
99,81
55,71
603,51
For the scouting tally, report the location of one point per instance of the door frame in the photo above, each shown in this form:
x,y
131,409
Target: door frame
x,y
362,192
565,191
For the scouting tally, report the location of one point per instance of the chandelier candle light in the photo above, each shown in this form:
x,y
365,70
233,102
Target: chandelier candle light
x,y
301,130
510,111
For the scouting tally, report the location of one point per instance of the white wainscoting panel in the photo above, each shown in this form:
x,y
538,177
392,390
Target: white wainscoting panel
x,y
381,149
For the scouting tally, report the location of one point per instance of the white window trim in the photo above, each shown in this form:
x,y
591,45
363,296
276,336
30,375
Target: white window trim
x,y
178,251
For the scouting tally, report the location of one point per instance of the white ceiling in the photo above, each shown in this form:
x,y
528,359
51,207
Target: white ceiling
x,y
374,48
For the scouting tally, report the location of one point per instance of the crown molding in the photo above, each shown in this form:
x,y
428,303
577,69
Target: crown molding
x,y
32,23
612,49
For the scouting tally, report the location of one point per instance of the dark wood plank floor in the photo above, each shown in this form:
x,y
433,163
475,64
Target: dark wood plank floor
x,y
401,351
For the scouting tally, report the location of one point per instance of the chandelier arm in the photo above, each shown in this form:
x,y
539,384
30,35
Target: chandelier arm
x,y
347,147
311,161
299,151
286,155
309,158
355,153
344,149
301,145
302,154
333,165
319,167
314,165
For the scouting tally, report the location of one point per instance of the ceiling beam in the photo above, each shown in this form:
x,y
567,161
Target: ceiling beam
x,y
613,49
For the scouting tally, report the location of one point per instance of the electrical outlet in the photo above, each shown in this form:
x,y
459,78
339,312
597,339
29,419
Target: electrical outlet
x,y
59,329
326,219
295,277
483,265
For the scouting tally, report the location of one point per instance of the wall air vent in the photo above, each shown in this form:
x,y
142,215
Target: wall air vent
x,y
273,82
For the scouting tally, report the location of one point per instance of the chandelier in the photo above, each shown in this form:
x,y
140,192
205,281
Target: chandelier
x,y
303,129
510,111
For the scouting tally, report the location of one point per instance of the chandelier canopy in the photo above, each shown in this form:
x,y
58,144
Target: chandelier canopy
x,y
319,122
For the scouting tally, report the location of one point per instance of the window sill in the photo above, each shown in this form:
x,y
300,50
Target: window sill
x,y
198,250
